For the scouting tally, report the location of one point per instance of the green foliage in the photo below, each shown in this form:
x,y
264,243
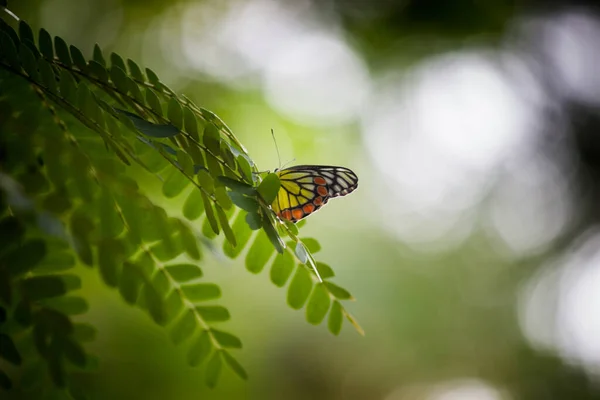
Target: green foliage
x,y
76,134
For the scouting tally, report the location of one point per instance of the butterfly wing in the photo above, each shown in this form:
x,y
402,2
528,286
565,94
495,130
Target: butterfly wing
x,y
306,188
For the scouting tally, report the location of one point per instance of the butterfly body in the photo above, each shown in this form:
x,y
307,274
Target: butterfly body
x,y
307,188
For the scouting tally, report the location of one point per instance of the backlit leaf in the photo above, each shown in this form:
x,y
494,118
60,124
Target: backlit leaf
x,y
174,113
269,188
213,313
224,222
210,214
135,71
338,292
153,102
199,350
242,235
110,257
226,339
68,305
117,61
259,253
183,272
318,305
213,370
184,327
334,324
201,291
98,56
193,206
175,183
311,244
325,270
283,266
234,365
130,282
299,288
212,139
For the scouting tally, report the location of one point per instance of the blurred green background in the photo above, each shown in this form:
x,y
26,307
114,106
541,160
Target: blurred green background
x,y
470,245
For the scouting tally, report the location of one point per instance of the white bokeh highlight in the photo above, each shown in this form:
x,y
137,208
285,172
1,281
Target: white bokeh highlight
x,y
558,307
438,134
305,67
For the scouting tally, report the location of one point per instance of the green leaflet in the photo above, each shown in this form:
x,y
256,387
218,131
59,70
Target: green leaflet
x,y
212,139
68,305
175,183
98,56
325,270
131,282
242,235
259,254
269,188
234,365
227,231
78,58
199,350
148,128
193,206
135,71
175,113
184,272
312,245
45,43
201,291
153,102
338,292
226,339
25,32
24,258
213,370
42,287
282,268
210,214
47,76
244,202
184,327
117,61
299,288
237,186
29,62
213,313
318,305
110,256
334,323
190,123
62,51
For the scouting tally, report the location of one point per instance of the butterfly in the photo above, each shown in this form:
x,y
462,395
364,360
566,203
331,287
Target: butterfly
x,y
306,188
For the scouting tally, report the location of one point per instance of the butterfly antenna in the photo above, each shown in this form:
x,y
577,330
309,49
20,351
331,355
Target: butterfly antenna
x,y
276,148
289,162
